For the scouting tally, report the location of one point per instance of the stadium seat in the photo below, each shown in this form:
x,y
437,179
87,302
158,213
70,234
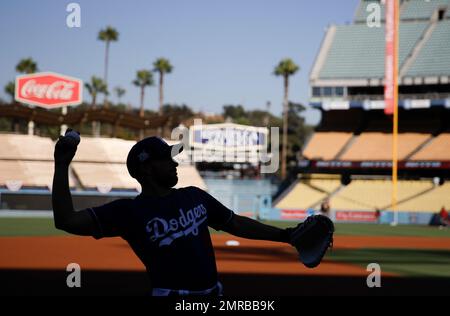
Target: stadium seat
x,y
370,194
26,147
98,149
308,193
362,13
378,146
325,145
410,9
37,174
433,58
421,9
357,51
99,163
366,195
94,175
28,160
430,202
302,197
326,185
437,149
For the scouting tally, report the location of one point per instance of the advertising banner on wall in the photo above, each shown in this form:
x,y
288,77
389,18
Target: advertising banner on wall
x,y
48,90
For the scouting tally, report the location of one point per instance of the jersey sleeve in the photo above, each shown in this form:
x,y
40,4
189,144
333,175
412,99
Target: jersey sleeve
x,y
218,214
111,218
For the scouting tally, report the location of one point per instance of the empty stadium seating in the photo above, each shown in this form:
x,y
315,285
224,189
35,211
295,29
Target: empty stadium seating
x,y
371,194
421,9
28,173
409,10
366,195
327,185
433,59
378,146
358,51
94,175
437,149
98,164
326,145
101,162
26,147
301,197
352,57
306,194
103,149
27,160
372,146
431,201
362,13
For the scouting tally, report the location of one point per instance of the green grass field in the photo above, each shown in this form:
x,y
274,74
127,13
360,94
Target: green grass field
x,y
28,227
404,262
380,230
45,227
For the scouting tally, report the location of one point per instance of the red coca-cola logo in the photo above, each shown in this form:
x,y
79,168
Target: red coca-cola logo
x,y
49,90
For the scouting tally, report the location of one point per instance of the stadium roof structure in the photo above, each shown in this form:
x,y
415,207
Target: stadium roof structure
x,y
353,55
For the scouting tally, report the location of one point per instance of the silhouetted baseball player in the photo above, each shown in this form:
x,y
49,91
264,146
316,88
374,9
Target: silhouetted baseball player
x,y
167,228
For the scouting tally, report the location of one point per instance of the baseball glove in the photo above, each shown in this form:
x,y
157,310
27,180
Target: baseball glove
x,y
312,238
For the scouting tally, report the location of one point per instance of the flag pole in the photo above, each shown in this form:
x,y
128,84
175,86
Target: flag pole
x,y
391,90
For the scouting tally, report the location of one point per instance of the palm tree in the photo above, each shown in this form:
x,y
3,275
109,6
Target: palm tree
x,y
143,78
108,35
10,89
162,66
95,87
27,66
119,92
285,68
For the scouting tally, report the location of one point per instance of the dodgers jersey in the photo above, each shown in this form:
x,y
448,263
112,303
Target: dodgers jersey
x,y
169,234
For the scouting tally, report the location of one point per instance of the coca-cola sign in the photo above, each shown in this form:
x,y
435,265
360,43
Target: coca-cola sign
x,y
48,89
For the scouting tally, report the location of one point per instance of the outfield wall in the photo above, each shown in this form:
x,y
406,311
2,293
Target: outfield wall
x,y
255,205
342,216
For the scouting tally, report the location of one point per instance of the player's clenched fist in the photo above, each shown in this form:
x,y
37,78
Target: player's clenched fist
x,y
66,147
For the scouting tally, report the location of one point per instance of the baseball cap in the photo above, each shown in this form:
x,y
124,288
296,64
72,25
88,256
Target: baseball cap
x,y
150,148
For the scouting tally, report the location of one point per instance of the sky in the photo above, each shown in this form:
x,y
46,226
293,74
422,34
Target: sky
x,y
223,52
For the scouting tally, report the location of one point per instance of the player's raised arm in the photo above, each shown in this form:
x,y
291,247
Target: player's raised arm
x,y
65,217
